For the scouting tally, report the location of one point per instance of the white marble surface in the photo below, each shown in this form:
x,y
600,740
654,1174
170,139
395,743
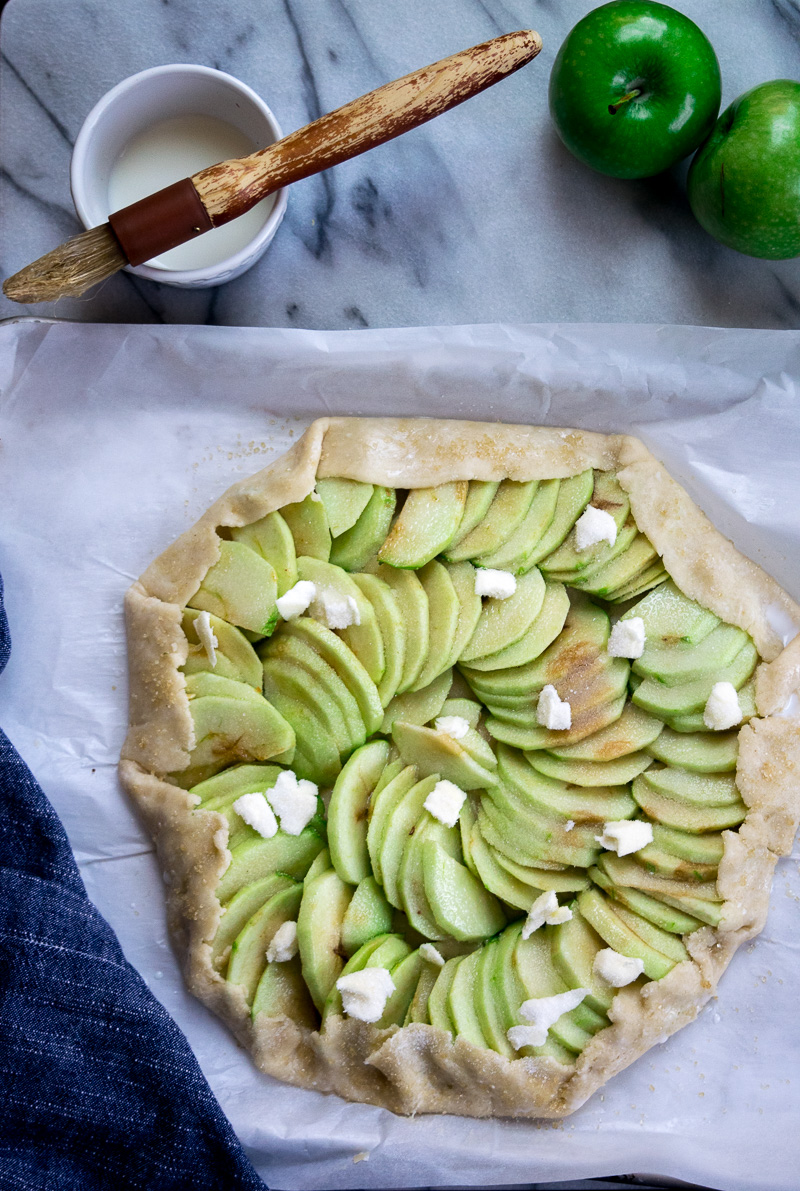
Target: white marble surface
x,y
481,216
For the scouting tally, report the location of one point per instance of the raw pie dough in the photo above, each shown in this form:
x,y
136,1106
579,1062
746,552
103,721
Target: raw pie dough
x,y
419,1068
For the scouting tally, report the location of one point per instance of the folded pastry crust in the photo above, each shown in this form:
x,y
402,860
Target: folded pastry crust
x,y
419,1068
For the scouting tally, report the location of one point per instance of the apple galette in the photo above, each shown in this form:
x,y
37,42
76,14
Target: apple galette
x,y
463,749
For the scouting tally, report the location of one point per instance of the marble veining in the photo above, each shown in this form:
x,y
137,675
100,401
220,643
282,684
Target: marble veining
x,y
479,216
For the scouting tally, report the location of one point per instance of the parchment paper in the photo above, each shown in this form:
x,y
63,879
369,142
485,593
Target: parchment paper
x,y
115,438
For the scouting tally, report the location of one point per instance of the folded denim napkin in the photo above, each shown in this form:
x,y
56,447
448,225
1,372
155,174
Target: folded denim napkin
x,y
98,1086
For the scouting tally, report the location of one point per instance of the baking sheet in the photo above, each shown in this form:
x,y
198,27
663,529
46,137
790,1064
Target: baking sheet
x,y
115,438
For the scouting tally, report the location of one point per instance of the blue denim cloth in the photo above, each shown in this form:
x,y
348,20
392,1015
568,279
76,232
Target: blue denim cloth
x,y
98,1086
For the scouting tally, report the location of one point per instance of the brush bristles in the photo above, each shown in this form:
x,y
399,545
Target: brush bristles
x,y
69,270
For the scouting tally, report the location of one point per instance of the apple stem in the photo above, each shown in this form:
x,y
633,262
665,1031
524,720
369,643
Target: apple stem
x,y
613,108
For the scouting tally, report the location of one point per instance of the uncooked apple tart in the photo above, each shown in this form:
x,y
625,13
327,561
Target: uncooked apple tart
x,y
462,746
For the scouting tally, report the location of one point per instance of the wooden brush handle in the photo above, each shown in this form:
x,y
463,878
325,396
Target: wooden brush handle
x,y
222,192
229,189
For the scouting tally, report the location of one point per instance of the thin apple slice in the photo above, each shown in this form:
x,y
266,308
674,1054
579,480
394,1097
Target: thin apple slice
x,y
495,878
319,933
480,495
671,617
573,947
241,587
419,706
418,1009
427,523
444,609
241,908
505,514
583,725
462,577
369,914
558,878
413,605
249,951
344,501
436,752
358,545
706,752
698,789
438,998
282,992
364,637
228,730
308,525
461,1001
258,857
590,773
626,870
548,795
634,730
502,622
488,1010
574,495
624,568
398,828
685,817
461,906
694,722
648,907
567,562
667,864
616,934
286,647
382,806
539,635
405,976
530,843
515,552
652,577
538,977
411,874
235,657
465,709
237,780
680,663
702,849
272,539
345,663
663,941
392,629
348,811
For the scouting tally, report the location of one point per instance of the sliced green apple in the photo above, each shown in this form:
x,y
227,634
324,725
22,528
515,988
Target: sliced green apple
x,y
436,752
646,906
392,629
503,622
243,906
308,525
282,992
358,545
345,663
258,857
249,951
515,552
671,617
319,933
461,1001
591,773
444,609
511,502
241,587
427,523
419,706
616,934
348,811
634,730
539,635
480,495
705,752
413,605
369,914
272,539
344,502
462,907
235,657
382,806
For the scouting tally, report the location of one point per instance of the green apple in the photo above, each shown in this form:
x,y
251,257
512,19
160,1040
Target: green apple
x,y
744,183
634,88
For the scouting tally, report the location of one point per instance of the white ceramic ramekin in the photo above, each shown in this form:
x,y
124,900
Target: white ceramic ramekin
x,y
162,93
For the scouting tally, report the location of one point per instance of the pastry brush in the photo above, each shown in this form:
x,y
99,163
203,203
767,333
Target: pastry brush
x,y
222,192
